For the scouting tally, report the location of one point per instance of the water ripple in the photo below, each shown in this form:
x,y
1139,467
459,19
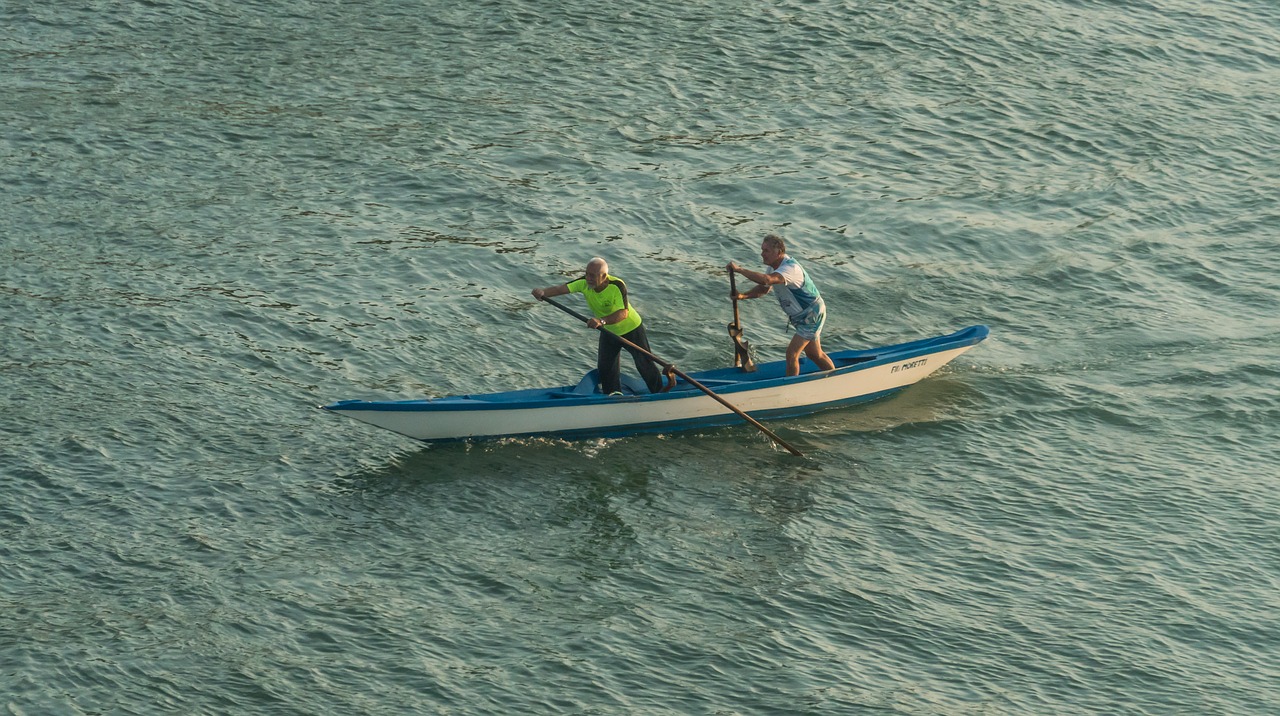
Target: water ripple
x,y
219,217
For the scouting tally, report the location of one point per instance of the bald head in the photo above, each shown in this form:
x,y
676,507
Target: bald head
x,y
597,272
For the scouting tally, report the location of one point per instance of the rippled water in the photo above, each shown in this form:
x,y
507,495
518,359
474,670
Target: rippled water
x,y
219,215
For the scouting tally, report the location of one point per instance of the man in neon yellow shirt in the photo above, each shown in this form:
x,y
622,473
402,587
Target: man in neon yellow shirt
x,y
607,297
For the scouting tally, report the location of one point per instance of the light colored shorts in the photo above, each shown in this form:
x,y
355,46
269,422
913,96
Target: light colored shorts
x,y
809,325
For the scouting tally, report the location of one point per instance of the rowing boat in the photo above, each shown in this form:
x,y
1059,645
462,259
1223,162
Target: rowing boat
x,y
580,411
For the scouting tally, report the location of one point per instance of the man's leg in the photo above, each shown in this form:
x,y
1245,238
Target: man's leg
x,y
794,348
815,353
607,363
644,364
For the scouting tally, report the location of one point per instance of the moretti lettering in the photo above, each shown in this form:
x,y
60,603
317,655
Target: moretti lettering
x,y
909,366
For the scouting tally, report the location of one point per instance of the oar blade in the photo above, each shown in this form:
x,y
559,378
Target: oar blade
x,y
741,350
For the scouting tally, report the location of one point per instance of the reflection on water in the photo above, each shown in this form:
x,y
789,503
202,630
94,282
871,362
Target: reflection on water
x,y
936,399
609,507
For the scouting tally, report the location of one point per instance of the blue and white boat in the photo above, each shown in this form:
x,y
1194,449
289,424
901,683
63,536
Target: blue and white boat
x,y
579,411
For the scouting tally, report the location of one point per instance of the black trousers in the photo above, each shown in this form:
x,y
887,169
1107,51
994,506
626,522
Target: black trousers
x,y
609,363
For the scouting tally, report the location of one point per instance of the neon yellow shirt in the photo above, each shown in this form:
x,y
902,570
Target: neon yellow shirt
x,y
607,302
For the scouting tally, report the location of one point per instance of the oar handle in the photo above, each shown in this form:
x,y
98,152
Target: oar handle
x,y
671,367
733,289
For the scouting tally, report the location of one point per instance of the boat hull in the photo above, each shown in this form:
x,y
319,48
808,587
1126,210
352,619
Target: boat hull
x,y
573,412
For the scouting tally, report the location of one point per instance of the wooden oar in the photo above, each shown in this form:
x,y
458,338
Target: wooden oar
x,y
672,368
741,348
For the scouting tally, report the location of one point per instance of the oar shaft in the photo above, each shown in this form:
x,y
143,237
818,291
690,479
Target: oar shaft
x,y
741,350
690,381
733,288
624,341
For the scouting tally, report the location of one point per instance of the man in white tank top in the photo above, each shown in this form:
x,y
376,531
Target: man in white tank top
x,y
798,297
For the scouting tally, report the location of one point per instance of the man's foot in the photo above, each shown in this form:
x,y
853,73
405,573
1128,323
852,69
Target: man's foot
x,y
616,394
